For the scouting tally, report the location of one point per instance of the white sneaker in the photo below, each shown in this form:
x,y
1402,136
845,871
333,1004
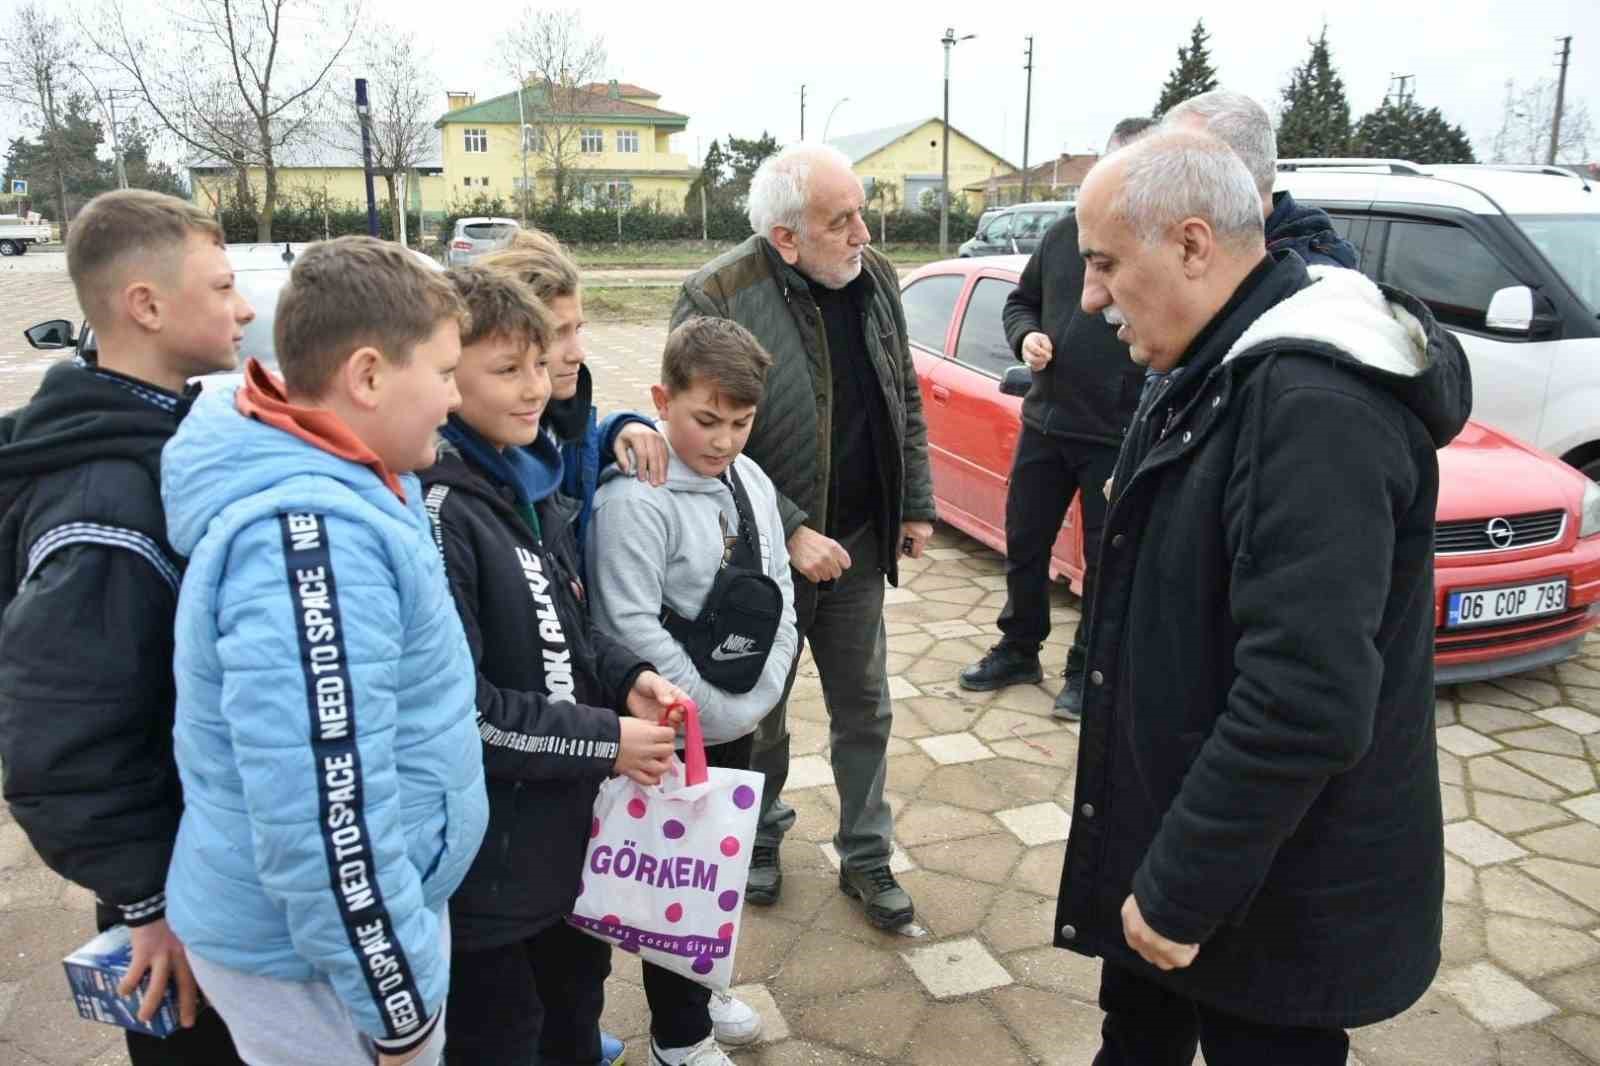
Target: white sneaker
x,y
733,1021
705,1053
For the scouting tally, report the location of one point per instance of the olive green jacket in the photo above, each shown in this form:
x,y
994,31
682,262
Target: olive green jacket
x,y
793,431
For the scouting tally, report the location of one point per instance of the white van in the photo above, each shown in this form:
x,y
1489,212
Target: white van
x,y
1508,258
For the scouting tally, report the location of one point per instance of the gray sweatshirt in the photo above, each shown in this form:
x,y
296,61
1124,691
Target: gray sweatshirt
x,y
653,546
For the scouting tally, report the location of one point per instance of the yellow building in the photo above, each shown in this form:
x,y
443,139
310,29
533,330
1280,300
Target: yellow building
x,y
612,141
321,168
907,158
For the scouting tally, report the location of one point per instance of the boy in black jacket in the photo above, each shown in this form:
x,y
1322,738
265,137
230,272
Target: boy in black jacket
x,y
560,707
89,584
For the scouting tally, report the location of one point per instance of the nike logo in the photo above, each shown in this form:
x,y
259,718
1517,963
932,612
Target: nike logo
x,y
734,647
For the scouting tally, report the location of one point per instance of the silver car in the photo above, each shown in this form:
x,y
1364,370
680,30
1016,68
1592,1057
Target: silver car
x,y
479,236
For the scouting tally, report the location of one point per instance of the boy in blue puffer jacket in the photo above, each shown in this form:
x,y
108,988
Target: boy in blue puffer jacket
x,y
332,771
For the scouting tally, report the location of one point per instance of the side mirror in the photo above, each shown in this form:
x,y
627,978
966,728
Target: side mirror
x,y
1016,381
1511,310
1518,310
51,335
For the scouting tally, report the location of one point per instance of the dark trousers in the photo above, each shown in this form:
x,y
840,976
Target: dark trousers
x,y
1045,473
207,1044
535,1002
678,1006
1147,1025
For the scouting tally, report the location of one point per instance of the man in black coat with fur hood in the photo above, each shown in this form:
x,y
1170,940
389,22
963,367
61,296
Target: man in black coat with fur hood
x,y
1256,849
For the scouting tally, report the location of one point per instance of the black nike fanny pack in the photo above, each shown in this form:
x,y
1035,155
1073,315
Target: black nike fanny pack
x,y
731,639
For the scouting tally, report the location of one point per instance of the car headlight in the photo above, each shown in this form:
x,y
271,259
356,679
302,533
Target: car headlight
x,y
1589,524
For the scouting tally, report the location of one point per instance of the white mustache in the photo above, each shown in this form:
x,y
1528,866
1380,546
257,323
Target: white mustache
x,y
1114,317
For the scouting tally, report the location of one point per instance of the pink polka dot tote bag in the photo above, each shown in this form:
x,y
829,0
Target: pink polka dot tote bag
x,y
665,873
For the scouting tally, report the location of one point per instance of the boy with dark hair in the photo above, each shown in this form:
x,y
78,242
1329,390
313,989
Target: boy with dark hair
x,y
89,583
665,562
559,707
331,767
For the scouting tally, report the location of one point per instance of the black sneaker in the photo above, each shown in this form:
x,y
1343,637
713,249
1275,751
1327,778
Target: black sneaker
x,y
1004,664
888,905
766,876
1069,704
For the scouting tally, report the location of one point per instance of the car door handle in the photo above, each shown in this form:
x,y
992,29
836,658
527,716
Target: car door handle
x,y
941,393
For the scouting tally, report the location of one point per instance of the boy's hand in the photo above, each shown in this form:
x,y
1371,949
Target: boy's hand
x,y
642,451
401,1060
158,951
646,750
652,696
818,558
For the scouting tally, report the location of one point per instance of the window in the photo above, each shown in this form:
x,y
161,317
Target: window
x,y
982,344
484,181
929,303
1032,224
1572,244
592,142
477,140
608,194
999,229
1447,268
532,139
627,140
467,182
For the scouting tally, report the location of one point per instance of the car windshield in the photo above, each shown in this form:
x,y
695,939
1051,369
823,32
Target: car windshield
x,y
487,231
1572,244
261,288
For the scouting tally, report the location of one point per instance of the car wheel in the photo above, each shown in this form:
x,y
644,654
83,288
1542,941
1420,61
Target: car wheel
x,y
9,248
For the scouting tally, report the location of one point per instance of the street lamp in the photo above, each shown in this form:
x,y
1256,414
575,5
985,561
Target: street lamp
x,y
842,101
949,40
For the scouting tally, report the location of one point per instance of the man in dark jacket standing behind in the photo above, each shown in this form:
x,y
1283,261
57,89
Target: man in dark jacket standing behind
x,y
840,433
1257,849
1072,424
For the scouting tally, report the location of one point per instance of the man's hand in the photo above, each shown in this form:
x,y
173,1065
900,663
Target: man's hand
x,y
1154,948
914,537
1037,351
818,558
652,695
401,1060
158,951
645,750
642,451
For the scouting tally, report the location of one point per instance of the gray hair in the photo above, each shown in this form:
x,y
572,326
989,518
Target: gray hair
x,y
1179,174
1240,123
782,183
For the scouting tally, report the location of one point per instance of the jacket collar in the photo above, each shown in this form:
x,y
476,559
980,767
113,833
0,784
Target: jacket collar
x,y
570,418
791,279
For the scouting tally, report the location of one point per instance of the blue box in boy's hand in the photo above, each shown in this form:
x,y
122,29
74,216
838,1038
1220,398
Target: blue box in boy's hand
x,y
95,970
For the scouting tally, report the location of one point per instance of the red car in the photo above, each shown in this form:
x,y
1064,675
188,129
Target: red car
x,y
1517,580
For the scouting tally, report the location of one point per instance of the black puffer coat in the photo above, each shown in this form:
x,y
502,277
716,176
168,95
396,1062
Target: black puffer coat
x,y
1257,763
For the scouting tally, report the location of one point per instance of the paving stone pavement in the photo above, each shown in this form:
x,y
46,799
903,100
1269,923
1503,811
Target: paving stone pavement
x,y
981,786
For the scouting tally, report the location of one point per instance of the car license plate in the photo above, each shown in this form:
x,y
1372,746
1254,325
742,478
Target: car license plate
x,y
1489,606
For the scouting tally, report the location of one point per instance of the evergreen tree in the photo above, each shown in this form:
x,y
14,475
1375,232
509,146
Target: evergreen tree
x,y
1401,129
78,138
713,179
745,155
143,172
1193,75
1316,115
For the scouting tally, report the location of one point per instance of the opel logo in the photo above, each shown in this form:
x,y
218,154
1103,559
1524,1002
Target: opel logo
x,y
1500,532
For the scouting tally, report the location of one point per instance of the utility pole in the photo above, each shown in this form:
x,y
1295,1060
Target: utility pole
x,y
1561,99
802,111
949,40
122,168
1027,118
364,112
1401,94
522,123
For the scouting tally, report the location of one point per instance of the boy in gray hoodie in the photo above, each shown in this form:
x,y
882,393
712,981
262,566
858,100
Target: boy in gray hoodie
x,y
669,568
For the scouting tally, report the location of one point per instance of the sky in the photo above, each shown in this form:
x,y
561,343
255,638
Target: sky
x,y
738,66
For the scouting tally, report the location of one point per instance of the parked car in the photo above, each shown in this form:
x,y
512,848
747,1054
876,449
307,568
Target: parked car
x,y
474,237
1014,229
18,233
260,272
1508,258
1517,574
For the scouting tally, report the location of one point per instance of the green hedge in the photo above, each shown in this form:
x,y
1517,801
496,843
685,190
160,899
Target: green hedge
x,y
307,221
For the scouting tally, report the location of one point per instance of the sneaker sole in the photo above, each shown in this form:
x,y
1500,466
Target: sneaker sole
x,y
989,686
762,897
737,1041
880,920
1067,716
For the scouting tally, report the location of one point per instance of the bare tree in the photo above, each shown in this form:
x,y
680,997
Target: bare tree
x,y
235,82
401,90
33,79
1524,134
555,64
